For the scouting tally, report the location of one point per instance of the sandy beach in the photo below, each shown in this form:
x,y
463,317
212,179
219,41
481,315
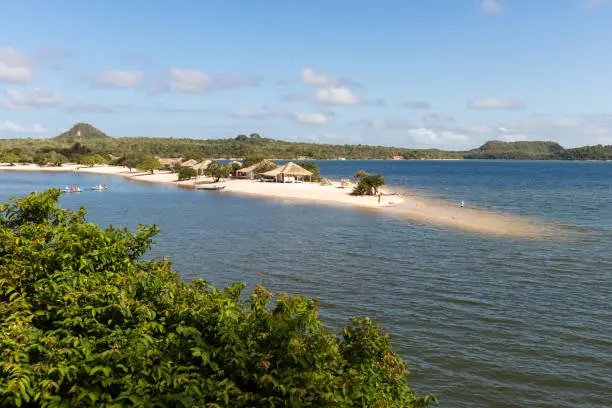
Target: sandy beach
x,y
404,205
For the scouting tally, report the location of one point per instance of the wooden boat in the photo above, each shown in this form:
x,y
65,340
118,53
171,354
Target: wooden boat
x,y
215,188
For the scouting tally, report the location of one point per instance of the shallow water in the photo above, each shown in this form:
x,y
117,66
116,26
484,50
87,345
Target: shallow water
x,y
483,321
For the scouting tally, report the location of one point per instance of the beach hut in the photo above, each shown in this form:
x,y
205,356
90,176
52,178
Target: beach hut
x,y
169,162
200,167
249,172
289,173
189,163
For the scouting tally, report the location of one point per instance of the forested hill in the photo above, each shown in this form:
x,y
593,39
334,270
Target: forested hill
x,y
516,150
538,151
83,139
80,132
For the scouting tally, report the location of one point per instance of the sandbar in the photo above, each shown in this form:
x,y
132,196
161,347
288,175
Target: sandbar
x,y
401,204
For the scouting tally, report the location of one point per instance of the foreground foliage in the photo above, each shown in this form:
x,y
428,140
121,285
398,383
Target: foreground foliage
x,y
84,321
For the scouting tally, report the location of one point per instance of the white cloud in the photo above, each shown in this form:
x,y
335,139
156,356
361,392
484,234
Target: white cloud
x,y
433,137
13,127
495,104
337,96
188,80
310,77
195,81
311,118
118,78
568,130
15,67
492,6
35,98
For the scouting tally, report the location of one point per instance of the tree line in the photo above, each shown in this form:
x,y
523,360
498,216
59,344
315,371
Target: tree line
x,y
83,141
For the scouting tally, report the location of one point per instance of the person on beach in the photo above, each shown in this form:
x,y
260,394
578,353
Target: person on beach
x,y
379,196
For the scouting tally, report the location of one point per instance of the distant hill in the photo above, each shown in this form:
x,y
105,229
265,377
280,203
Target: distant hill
x,y
87,132
516,150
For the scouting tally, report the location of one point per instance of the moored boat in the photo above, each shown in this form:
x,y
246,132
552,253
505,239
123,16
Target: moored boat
x,y
76,189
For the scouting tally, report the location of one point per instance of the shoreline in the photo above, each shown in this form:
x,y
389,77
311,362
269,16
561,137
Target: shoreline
x,y
403,206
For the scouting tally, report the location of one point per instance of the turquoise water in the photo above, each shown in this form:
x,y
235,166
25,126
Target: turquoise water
x,y
482,321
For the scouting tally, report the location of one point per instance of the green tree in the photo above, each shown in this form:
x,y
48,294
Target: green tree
x,y
218,170
235,167
130,161
148,164
9,157
251,160
311,167
85,320
52,158
92,159
265,166
368,184
186,173
242,137
254,136
359,174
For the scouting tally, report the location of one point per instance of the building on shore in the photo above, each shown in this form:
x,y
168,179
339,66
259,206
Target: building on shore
x,y
288,173
250,172
168,162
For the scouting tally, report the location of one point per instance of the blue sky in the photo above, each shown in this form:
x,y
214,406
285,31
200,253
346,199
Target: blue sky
x,y
416,73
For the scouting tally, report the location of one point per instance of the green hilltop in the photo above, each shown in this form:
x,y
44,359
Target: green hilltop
x,y
87,132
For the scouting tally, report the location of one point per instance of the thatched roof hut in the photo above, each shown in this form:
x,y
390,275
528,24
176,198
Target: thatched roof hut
x,y
249,172
289,172
170,161
189,163
200,167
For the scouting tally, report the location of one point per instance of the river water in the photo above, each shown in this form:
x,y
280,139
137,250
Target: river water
x,y
483,321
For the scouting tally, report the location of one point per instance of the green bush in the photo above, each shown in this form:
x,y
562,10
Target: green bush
x,y
311,167
368,184
9,157
148,164
84,321
218,170
52,158
91,160
185,173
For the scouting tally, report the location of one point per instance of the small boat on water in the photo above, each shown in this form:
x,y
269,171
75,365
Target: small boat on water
x,y
215,188
76,189
100,187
